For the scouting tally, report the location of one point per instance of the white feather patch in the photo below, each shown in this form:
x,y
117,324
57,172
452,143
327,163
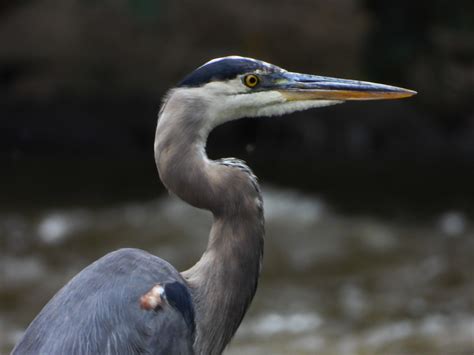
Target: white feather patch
x,y
230,100
292,106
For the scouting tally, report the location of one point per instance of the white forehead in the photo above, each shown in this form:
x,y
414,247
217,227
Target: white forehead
x,y
216,60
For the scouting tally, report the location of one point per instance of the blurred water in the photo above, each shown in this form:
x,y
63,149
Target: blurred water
x,y
331,284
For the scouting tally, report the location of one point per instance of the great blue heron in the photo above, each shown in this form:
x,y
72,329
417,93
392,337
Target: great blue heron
x,y
132,302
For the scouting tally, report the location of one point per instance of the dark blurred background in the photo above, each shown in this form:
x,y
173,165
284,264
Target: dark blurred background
x,y
81,83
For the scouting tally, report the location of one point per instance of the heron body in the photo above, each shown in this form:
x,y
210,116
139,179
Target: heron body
x,y
131,302
97,310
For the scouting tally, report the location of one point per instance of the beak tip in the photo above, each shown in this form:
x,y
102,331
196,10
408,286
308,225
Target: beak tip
x,y
408,93
411,92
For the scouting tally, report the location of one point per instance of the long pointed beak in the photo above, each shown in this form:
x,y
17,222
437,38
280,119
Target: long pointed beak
x,y
297,87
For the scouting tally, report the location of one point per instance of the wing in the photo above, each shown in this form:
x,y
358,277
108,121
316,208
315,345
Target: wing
x,y
99,312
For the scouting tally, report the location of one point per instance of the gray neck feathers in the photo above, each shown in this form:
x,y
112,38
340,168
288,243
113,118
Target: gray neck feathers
x,y
224,280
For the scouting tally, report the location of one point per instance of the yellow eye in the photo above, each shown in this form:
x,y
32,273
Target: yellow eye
x,y
251,80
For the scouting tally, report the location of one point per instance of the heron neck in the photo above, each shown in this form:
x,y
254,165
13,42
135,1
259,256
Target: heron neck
x,y
223,282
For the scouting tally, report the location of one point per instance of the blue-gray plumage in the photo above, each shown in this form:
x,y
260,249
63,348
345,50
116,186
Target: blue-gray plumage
x,y
97,310
131,302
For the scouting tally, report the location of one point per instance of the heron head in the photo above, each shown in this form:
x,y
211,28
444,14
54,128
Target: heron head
x,y
235,87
